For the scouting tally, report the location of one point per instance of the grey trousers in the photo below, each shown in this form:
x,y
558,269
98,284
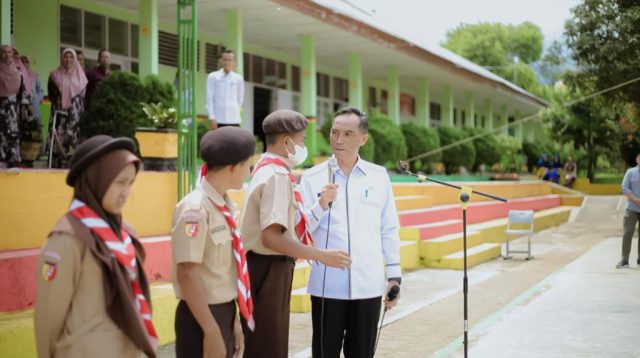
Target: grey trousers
x,y
629,226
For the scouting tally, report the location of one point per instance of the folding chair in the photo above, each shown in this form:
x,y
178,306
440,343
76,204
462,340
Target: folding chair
x,y
520,223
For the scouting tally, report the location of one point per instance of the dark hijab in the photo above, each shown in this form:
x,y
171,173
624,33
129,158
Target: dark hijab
x,y
90,187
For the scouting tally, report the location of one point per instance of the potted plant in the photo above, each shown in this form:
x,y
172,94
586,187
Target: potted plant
x,y
30,141
158,144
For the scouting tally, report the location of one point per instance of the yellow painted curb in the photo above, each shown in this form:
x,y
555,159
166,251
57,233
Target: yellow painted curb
x,y
434,249
413,202
410,255
17,337
571,200
583,185
301,275
33,201
409,234
300,301
475,256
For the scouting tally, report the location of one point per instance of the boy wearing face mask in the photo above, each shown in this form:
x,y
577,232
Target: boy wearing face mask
x,y
274,227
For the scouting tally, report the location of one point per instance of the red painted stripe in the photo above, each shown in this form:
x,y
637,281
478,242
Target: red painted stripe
x,y
19,273
477,212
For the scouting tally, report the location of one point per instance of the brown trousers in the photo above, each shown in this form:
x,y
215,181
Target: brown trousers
x,y
189,335
271,279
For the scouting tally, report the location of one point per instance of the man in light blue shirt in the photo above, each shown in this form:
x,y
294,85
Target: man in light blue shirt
x,y
630,188
362,220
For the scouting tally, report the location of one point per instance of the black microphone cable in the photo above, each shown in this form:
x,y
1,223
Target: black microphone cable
x,y
332,176
391,295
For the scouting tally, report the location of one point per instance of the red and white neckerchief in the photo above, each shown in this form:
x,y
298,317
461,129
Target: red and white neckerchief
x,y
125,254
245,301
302,225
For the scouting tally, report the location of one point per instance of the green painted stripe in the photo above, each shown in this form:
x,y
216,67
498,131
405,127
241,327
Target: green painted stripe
x,y
481,327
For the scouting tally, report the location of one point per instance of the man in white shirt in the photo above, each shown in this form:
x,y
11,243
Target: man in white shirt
x,y
225,94
362,219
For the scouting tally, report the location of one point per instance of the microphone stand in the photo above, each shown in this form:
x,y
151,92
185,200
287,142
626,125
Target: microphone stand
x,y
464,197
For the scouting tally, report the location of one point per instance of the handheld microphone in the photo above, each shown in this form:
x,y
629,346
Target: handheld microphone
x,y
393,293
333,168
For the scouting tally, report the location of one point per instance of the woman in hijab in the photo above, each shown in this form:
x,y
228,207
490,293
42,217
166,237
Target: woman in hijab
x,y
93,296
66,91
33,86
11,92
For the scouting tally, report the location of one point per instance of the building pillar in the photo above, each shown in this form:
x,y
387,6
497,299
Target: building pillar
x,y
148,38
529,129
41,42
393,92
356,87
470,110
447,107
234,38
5,22
518,126
309,91
504,120
422,102
488,115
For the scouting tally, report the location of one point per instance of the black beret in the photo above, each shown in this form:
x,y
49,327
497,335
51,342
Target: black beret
x,y
284,121
227,146
91,150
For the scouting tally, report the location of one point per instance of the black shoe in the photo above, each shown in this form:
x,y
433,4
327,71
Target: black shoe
x,y
623,263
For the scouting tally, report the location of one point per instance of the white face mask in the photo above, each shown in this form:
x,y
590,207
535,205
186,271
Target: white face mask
x,y
299,156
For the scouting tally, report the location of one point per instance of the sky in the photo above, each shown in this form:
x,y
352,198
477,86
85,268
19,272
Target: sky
x,y
429,20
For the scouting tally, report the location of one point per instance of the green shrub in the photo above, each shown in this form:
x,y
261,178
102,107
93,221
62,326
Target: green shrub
x,y
158,90
115,109
460,155
323,146
532,152
487,148
511,158
368,150
420,140
390,145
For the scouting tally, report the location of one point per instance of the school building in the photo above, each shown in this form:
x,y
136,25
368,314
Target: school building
x,y
310,56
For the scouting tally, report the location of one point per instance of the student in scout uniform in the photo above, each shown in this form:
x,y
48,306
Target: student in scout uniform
x,y
210,268
273,225
93,296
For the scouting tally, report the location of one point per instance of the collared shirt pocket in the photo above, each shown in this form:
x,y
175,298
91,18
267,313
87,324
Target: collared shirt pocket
x,y
221,238
369,195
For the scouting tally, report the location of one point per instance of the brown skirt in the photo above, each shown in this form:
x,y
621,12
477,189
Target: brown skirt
x,y
189,335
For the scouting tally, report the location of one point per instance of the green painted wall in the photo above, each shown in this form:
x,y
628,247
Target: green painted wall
x,y
5,22
40,42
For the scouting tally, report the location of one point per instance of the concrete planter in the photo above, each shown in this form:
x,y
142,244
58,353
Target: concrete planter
x,y
158,148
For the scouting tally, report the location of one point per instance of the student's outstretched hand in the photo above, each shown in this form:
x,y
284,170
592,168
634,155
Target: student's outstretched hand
x,y
335,258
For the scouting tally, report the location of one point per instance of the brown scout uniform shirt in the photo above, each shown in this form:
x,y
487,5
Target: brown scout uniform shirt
x,y
201,234
70,316
269,200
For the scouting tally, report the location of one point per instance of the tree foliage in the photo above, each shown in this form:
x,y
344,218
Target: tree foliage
x,y
507,50
604,37
591,124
